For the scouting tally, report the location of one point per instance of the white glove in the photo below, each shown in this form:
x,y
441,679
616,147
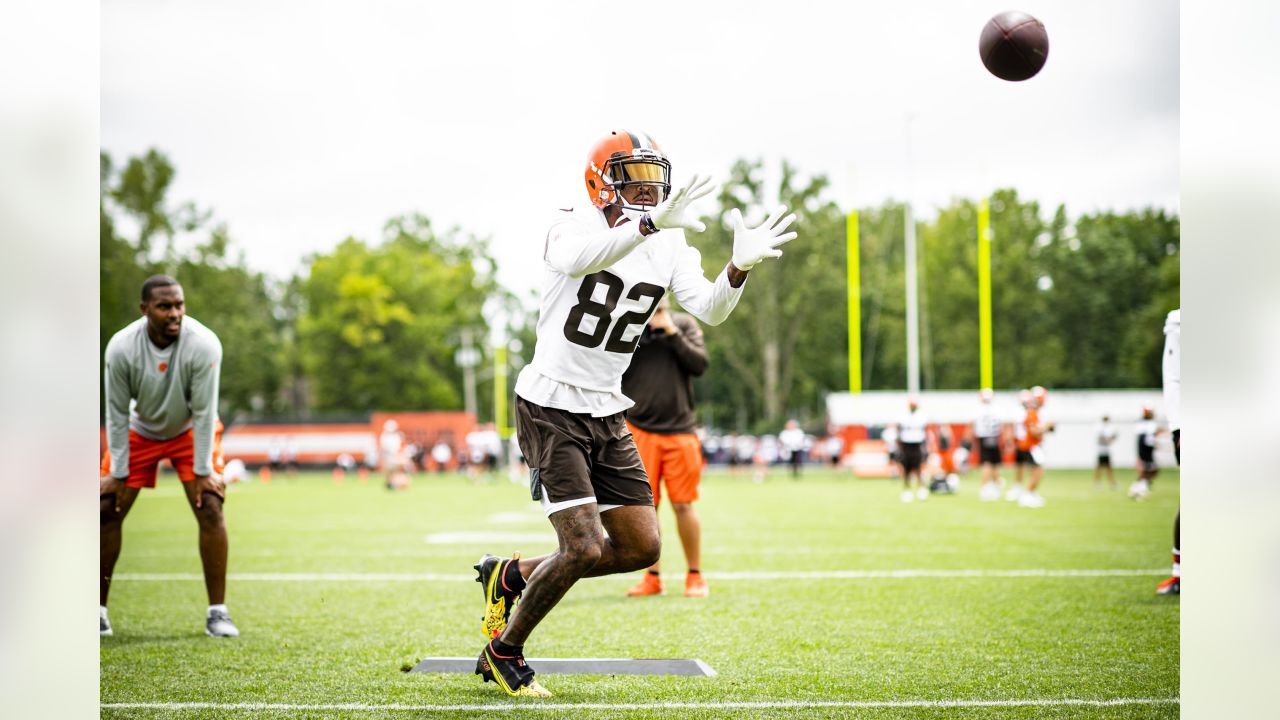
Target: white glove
x,y
751,245
674,211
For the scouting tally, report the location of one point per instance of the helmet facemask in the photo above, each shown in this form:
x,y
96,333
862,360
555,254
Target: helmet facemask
x,y
641,168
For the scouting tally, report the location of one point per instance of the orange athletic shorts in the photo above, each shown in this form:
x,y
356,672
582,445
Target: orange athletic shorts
x,y
673,460
145,456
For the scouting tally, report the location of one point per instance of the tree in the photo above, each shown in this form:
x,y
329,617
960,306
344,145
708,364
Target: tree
x,y
782,349
378,328
233,301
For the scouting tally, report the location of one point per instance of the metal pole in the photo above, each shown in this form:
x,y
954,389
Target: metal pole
x,y
469,374
913,299
500,391
913,306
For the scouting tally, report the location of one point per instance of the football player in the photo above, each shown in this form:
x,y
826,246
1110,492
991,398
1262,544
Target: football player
x,y
1147,431
986,428
606,266
911,440
1030,432
1106,436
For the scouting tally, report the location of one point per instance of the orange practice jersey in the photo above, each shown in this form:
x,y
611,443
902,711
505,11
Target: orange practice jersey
x,y
1031,437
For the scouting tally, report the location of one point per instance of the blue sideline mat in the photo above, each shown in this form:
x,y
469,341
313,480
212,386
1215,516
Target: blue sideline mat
x,y
583,666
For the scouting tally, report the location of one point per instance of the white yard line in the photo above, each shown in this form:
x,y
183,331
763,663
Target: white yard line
x,y
536,706
760,575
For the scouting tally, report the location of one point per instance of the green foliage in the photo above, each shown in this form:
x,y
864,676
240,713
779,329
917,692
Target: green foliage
x,y
1074,305
380,325
782,349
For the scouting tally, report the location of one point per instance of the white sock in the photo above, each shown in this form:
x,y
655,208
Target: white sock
x,y
102,611
213,608
1177,563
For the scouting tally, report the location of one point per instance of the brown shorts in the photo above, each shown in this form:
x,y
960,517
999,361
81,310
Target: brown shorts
x,y
671,460
577,457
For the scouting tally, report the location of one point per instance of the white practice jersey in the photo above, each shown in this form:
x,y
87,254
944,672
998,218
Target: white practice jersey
x,y
1106,436
600,287
390,443
1172,368
987,424
1146,431
792,439
911,428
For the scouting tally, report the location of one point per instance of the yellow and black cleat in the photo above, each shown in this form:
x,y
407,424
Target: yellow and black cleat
x,y
510,673
499,600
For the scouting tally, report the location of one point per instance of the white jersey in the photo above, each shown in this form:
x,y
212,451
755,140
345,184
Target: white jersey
x,y
911,428
792,439
1106,436
987,424
600,287
390,443
1172,368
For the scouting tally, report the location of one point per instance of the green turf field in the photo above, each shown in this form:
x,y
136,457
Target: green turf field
x,y
335,588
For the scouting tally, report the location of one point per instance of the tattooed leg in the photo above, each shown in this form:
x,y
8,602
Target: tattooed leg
x,y
581,545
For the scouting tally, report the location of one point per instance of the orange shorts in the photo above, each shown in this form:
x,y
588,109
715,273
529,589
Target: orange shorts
x,y
145,456
673,460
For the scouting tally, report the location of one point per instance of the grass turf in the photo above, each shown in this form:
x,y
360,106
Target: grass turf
x,y
333,642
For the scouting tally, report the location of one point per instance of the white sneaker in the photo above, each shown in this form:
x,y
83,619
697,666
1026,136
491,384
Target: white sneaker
x,y
990,492
219,624
922,493
1014,493
104,625
907,495
1030,500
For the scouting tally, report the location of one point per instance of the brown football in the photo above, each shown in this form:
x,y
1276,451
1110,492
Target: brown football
x,y
1014,46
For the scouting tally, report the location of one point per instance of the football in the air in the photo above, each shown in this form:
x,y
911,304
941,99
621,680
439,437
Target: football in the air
x,y
1014,46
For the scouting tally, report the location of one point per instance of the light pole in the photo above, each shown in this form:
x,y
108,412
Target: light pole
x,y
467,358
913,298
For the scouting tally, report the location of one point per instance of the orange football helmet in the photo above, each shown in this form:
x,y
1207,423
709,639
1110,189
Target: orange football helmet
x,y
624,158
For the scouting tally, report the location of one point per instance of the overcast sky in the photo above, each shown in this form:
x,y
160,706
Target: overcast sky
x,y
300,123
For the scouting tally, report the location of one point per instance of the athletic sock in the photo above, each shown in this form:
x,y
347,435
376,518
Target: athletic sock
x,y
695,571
1177,563
102,611
216,608
506,650
654,573
511,577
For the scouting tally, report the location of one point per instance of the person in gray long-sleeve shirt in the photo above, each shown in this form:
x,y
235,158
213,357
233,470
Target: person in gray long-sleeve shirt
x,y
670,354
161,385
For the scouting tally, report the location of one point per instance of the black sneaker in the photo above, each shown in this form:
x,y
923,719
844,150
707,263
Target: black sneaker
x,y
510,673
498,598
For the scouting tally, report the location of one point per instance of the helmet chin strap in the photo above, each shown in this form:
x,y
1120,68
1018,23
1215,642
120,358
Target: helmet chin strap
x,y
627,211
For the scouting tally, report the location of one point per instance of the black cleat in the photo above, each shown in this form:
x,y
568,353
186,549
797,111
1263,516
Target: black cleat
x,y
510,673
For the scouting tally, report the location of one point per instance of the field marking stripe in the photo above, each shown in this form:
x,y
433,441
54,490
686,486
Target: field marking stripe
x,y
747,705
761,575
